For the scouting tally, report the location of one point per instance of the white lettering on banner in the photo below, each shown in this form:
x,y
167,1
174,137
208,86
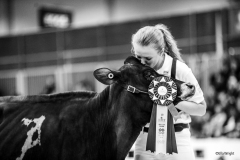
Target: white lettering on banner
x,y
161,129
56,20
29,143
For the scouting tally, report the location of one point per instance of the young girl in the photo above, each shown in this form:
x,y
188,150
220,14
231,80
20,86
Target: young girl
x,y
154,46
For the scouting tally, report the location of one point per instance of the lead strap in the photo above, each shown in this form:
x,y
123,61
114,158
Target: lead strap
x,y
171,108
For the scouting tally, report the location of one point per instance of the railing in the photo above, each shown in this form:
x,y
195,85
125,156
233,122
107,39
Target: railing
x,y
32,80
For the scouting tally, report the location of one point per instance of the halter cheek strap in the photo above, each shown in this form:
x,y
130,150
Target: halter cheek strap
x,y
134,89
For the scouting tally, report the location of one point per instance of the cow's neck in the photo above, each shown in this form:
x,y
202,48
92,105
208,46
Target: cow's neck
x,y
132,115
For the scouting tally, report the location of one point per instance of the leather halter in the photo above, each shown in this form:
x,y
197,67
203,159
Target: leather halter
x,y
132,89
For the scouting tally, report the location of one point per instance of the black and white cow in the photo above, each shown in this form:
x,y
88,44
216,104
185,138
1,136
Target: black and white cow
x,y
79,125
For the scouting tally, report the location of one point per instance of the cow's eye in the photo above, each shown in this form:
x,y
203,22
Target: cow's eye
x,y
110,75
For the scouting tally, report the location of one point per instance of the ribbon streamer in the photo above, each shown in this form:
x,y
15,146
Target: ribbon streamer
x,y
171,146
171,139
151,139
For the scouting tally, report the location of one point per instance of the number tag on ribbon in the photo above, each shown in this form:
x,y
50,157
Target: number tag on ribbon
x,y
161,129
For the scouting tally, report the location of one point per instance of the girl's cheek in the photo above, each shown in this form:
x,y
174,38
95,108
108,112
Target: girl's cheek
x,y
149,63
153,64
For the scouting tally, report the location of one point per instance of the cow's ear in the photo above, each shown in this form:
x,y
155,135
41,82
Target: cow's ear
x,y
106,76
132,60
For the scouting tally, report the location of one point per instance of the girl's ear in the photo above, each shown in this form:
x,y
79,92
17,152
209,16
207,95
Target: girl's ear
x,y
107,76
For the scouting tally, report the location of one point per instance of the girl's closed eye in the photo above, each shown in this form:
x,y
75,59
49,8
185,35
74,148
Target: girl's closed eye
x,y
138,57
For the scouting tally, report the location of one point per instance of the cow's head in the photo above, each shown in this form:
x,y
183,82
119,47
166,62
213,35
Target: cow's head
x,y
132,73
135,74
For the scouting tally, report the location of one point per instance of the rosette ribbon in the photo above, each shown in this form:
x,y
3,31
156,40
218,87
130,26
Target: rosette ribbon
x,y
161,134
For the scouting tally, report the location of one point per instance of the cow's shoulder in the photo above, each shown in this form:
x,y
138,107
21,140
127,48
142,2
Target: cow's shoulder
x,y
57,97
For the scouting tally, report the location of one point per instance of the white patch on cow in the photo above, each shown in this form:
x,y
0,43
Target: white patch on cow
x,y
29,143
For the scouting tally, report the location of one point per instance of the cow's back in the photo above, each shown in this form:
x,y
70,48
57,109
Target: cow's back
x,y
36,127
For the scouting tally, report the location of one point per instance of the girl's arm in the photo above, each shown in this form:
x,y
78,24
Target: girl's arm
x,y
192,108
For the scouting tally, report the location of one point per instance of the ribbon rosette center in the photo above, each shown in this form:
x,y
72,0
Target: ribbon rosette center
x,y
162,90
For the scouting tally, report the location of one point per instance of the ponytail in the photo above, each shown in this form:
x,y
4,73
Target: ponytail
x,y
170,44
160,37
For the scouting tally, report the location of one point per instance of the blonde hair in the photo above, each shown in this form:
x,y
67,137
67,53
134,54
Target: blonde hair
x,y
160,37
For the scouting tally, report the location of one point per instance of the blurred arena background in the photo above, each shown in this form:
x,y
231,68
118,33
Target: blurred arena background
x,y
51,46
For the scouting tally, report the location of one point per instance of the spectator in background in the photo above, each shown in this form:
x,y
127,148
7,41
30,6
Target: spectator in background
x,y
223,103
230,122
237,128
215,126
50,86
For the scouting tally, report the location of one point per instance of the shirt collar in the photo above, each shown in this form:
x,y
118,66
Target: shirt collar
x,y
167,65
